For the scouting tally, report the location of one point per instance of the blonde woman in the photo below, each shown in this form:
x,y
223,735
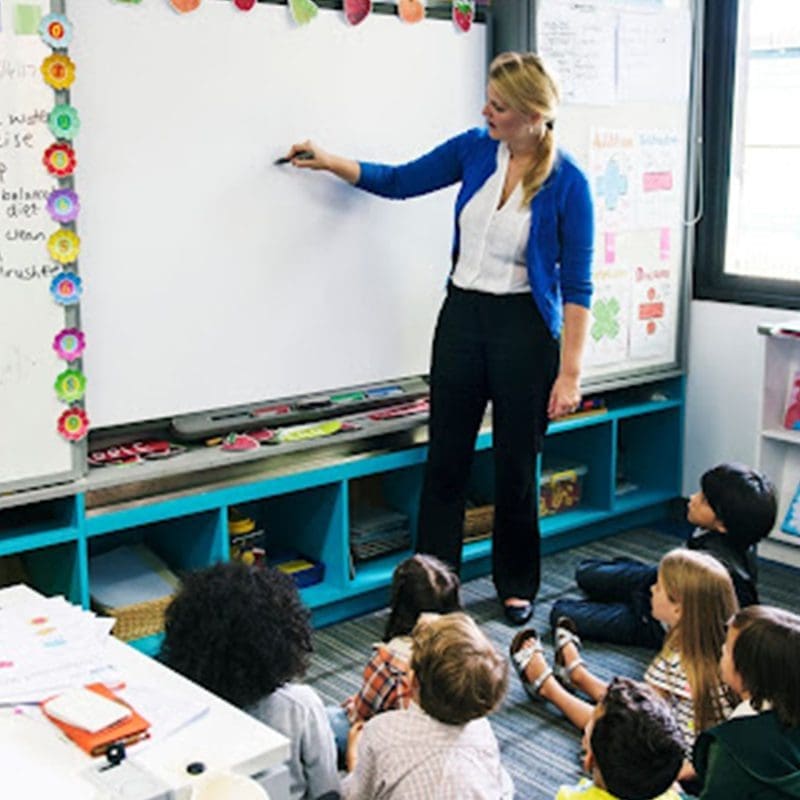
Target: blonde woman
x,y
693,598
513,324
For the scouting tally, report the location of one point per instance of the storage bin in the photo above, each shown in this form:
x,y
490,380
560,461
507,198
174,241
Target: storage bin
x,y
302,570
478,523
560,487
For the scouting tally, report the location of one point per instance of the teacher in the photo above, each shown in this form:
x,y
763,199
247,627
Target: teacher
x,y
513,324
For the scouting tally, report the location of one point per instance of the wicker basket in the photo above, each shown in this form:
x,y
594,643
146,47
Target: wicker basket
x,y
138,619
478,523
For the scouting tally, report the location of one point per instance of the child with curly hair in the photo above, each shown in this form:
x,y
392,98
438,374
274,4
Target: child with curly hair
x,y
242,633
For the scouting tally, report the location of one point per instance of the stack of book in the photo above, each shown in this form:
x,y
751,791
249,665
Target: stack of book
x,y
376,532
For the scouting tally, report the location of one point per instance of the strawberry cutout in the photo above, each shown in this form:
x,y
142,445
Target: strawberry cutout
x,y
184,6
411,10
303,11
356,11
463,13
244,5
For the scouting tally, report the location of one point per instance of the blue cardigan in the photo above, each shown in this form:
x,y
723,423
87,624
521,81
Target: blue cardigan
x,y
561,239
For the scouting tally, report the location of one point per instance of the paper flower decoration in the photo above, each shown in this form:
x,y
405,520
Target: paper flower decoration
x,y
58,71
184,6
73,424
303,11
66,288
244,5
64,246
70,385
411,10
59,159
356,11
63,205
56,31
63,122
463,13
69,344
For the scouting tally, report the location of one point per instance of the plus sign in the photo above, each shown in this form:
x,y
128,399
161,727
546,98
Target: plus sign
x,y
612,184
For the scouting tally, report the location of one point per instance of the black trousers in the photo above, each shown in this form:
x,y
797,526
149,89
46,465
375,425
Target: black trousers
x,y
488,347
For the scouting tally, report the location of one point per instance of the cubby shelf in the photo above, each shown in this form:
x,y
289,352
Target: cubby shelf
x,y
305,503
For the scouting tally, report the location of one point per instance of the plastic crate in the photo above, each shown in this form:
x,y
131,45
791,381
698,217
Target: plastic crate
x,y
560,487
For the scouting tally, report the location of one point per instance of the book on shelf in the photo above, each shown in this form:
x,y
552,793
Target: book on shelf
x,y
791,522
791,417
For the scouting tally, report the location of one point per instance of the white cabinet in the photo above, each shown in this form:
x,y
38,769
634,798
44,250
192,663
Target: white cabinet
x,y
778,446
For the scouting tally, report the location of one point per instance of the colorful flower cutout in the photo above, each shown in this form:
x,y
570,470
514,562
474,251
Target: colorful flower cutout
x,y
70,385
58,71
303,11
63,121
59,159
56,31
66,288
244,5
69,344
73,424
64,246
63,205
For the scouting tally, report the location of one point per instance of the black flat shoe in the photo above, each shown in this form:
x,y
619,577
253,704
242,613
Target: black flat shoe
x,y
518,615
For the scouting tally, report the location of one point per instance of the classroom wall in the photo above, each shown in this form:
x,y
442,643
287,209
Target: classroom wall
x,y
723,396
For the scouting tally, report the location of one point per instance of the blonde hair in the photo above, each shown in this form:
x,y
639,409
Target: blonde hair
x,y
524,84
704,590
460,674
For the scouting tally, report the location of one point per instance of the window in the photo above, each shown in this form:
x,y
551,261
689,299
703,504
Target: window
x,y
748,240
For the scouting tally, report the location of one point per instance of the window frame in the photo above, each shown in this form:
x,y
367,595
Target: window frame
x,y
710,281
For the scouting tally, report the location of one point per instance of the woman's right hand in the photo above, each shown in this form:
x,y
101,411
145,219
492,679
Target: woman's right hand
x,y
345,168
308,155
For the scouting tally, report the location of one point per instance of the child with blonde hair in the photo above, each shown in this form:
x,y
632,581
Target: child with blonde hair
x,y
756,752
443,745
693,598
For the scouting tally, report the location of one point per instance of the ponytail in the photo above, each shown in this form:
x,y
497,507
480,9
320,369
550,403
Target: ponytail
x,y
540,169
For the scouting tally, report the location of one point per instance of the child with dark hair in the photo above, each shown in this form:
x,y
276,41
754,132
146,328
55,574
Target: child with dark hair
x,y
633,747
419,584
756,752
442,746
734,509
242,633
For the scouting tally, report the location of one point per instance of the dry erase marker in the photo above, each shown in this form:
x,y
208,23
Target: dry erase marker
x,y
303,155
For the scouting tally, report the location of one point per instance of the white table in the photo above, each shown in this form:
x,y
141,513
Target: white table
x,y
38,763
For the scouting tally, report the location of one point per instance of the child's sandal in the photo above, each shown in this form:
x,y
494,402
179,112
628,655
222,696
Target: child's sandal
x,y
565,633
524,646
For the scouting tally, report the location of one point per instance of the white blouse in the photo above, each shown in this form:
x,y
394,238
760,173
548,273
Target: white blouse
x,y
494,241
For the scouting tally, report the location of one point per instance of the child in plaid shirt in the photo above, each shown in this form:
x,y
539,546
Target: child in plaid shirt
x,y
419,584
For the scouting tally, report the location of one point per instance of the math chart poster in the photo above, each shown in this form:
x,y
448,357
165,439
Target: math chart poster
x,y
612,172
659,196
652,311
607,342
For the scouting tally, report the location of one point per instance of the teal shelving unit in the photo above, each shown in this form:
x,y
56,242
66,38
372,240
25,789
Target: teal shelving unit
x,y
631,454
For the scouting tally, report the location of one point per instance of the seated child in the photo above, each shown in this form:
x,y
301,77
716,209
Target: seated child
x,y
242,633
756,752
734,509
633,746
693,596
419,584
443,748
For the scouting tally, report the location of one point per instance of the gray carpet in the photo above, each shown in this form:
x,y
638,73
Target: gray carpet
x,y
539,747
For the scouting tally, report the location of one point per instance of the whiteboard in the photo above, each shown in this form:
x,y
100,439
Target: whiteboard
x,y
625,69
32,452
215,278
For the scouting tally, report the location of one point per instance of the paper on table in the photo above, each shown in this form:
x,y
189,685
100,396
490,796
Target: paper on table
x,y
167,712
